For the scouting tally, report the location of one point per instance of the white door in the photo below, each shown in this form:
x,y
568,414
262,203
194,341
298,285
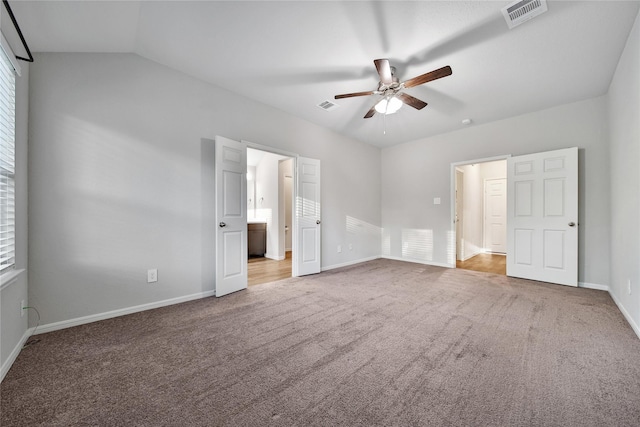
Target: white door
x,y
307,222
495,215
231,216
542,216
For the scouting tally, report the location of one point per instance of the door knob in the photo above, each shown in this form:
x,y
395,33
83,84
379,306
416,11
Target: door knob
x,y
222,224
572,224
317,221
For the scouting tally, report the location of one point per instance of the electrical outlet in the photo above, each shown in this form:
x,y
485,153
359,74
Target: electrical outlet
x,y
629,286
339,248
152,275
22,308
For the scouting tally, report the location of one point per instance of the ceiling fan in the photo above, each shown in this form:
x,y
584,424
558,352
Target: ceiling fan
x,y
392,89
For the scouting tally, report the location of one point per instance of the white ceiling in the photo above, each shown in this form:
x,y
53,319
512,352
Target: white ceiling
x,y
294,55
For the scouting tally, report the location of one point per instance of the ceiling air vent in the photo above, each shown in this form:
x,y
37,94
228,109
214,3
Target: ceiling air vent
x,y
328,105
520,12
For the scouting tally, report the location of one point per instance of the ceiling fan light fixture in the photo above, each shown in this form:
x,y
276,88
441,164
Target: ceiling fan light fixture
x,y
388,105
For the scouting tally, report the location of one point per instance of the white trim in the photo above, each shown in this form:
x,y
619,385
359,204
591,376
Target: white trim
x,y
626,315
348,263
4,44
269,149
275,257
476,253
14,354
50,327
10,277
419,261
595,286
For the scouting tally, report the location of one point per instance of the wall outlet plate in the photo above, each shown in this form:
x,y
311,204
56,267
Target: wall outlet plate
x,y
152,275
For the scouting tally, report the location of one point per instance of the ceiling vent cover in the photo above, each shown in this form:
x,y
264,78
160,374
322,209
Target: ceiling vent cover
x,y
328,105
521,11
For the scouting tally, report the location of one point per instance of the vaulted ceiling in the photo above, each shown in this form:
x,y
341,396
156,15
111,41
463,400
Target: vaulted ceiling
x,y
295,55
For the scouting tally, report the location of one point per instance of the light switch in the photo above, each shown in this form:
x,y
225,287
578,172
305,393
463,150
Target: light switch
x,y
436,200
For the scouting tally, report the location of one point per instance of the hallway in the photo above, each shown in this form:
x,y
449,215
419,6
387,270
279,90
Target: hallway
x,y
488,263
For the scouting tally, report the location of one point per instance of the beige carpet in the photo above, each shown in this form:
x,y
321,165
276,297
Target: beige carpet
x,y
383,343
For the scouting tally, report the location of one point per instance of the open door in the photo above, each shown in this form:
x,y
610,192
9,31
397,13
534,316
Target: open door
x,y
231,216
307,217
542,216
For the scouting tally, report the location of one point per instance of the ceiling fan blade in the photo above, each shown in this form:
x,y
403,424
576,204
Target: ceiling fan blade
x,y
370,113
384,70
427,77
350,95
411,101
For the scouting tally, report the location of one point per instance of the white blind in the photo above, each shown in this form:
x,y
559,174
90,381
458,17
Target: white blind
x,y
7,163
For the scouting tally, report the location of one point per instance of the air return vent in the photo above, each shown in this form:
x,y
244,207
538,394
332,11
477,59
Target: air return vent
x,y
328,105
521,11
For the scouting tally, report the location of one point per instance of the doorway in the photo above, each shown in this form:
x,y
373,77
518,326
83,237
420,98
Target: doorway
x,y
269,216
480,215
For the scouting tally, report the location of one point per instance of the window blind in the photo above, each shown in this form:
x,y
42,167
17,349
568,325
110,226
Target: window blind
x,y
7,163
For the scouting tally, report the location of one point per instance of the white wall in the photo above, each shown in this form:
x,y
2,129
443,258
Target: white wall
x,y
472,211
120,181
251,192
416,172
14,326
624,133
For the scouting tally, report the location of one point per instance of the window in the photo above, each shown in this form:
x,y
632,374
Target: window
x,y
7,163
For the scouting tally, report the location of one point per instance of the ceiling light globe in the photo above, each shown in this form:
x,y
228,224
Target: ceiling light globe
x,y
389,106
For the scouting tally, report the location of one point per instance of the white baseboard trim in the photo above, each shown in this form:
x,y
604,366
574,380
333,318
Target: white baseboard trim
x,y
14,354
466,258
596,286
50,327
346,264
418,261
626,315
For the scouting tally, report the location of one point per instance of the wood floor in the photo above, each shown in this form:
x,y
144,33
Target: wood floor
x,y
488,263
265,270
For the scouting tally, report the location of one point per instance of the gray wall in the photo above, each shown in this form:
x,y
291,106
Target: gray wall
x,y
120,181
624,127
14,326
416,172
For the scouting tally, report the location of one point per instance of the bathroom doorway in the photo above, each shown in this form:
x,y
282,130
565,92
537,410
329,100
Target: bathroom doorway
x,y
269,216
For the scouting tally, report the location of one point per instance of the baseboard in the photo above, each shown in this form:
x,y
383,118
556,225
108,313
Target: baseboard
x,y
417,261
596,286
466,258
626,315
346,264
50,327
274,257
14,354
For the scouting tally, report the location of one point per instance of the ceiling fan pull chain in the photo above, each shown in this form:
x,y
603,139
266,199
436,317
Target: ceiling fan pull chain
x,y
384,124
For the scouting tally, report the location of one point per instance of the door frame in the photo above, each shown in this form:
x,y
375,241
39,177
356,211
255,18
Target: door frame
x,y
294,194
458,217
452,198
